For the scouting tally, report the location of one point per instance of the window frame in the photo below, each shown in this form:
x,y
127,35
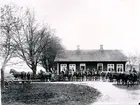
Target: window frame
x,y
61,65
118,67
72,66
110,65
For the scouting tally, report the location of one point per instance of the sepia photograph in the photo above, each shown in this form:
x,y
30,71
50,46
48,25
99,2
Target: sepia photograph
x,y
70,52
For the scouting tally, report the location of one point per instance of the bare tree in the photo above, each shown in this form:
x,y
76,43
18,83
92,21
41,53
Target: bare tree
x,y
138,58
132,60
31,41
22,34
8,19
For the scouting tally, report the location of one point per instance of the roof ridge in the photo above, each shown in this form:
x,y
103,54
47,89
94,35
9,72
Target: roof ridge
x,y
95,49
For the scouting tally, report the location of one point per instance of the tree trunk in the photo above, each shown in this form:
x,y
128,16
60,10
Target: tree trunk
x,y
2,78
46,66
34,71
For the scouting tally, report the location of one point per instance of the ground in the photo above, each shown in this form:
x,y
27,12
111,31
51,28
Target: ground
x,y
116,95
49,94
110,94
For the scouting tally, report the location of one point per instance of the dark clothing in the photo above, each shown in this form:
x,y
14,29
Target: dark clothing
x,y
28,76
22,75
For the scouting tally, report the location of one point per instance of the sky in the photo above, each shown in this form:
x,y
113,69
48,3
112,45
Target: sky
x,y
90,23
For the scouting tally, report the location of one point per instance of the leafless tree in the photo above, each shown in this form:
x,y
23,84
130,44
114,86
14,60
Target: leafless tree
x,y
31,41
27,39
138,58
8,19
132,60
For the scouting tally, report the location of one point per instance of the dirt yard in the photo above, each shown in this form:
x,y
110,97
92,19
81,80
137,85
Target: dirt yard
x,y
115,95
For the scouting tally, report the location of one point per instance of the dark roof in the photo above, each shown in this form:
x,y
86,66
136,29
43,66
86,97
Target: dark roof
x,y
91,55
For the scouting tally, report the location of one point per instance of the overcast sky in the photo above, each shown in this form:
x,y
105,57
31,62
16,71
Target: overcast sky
x,y
89,23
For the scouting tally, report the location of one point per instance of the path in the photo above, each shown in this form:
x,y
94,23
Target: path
x,y
112,95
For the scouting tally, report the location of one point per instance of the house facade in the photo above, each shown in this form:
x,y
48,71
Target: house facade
x,y
99,59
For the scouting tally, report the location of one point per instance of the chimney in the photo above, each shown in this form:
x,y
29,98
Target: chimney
x,y
101,47
78,47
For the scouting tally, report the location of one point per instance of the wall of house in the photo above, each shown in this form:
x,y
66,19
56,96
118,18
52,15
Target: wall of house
x,y
92,65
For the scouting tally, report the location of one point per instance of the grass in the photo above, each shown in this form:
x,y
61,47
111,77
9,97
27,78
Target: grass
x,y
49,94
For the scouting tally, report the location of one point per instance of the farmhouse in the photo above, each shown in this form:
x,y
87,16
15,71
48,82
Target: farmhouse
x,y
99,59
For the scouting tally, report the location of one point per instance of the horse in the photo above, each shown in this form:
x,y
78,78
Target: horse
x,y
138,78
134,79
103,76
117,76
15,73
41,75
98,75
84,75
72,75
61,76
88,74
19,75
80,75
48,75
77,75
69,76
128,79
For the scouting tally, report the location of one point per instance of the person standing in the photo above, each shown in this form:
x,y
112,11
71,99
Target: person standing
x,y
28,76
22,75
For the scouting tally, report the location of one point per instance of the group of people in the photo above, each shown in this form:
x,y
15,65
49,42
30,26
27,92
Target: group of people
x,y
79,75
131,77
25,76
42,75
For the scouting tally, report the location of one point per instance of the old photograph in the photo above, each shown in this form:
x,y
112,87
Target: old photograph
x,y
70,52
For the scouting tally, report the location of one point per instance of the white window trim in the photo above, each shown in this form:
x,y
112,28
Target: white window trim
x,y
101,64
73,65
108,66
122,67
82,64
61,66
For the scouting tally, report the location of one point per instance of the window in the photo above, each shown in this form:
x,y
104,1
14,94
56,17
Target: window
x,y
119,67
110,67
63,67
100,66
72,67
82,66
